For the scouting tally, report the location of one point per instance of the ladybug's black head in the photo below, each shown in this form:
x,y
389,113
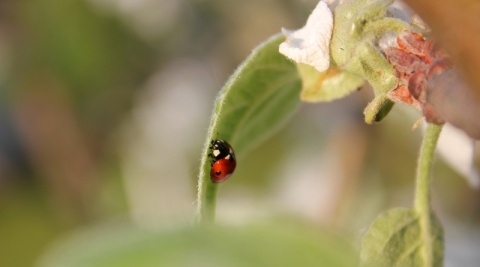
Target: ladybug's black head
x,y
220,149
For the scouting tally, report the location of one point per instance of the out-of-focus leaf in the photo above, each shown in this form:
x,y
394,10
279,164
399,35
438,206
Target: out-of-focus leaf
x,y
398,238
261,245
95,58
88,50
27,225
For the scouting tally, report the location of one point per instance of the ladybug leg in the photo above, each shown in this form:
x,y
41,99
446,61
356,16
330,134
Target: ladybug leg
x,y
212,143
212,159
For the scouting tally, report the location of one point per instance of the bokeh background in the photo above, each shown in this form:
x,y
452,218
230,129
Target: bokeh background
x,y
104,107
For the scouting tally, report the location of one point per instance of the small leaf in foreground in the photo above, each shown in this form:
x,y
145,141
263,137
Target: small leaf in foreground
x,y
397,238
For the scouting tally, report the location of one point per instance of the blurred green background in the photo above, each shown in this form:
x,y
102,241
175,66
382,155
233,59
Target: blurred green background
x,y
104,105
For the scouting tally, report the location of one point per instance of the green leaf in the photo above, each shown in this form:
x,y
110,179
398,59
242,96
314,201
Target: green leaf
x,y
327,86
398,238
259,245
256,101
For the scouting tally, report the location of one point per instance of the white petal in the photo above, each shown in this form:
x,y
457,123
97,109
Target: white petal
x,y
311,44
457,149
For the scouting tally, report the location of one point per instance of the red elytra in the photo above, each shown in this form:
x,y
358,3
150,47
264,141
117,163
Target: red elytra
x,y
222,169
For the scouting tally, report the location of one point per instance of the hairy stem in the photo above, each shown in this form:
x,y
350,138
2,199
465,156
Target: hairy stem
x,y
207,203
422,192
207,191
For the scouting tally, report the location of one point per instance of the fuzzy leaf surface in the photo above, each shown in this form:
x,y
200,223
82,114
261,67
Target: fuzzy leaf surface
x,y
397,238
258,98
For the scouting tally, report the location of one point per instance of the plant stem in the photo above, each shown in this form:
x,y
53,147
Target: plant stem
x,y
422,192
207,196
207,191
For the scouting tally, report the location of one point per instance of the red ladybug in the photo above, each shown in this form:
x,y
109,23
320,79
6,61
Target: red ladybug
x,y
223,160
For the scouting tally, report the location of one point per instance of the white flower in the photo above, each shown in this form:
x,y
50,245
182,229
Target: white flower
x,y
311,44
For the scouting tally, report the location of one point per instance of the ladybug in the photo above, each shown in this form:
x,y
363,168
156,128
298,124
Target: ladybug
x,y
223,160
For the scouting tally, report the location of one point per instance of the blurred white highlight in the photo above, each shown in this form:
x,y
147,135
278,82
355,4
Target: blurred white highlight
x,y
457,149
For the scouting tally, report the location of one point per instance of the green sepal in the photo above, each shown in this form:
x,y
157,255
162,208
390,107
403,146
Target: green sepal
x,y
358,25
328,85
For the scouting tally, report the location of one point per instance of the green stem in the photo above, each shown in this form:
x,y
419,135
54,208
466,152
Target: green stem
x,y
422,192
207,191
207,195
